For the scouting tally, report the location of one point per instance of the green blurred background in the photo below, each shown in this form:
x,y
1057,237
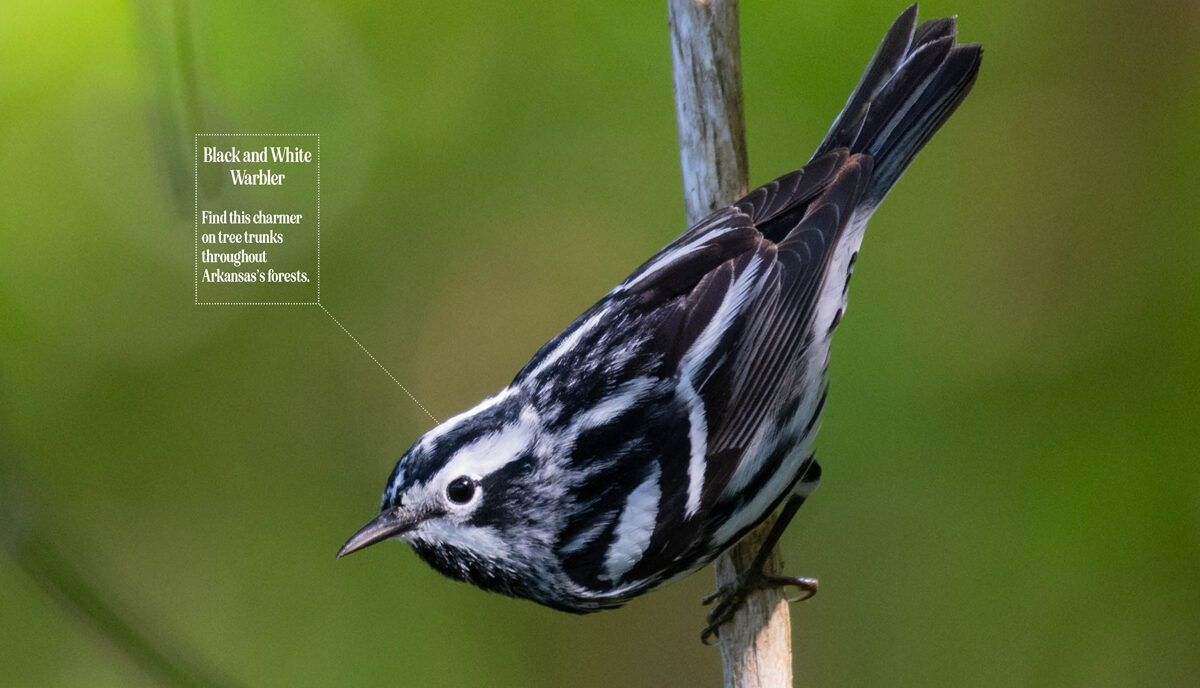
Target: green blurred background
x,y
1011,492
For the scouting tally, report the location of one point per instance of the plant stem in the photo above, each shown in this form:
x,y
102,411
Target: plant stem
x,y
705,51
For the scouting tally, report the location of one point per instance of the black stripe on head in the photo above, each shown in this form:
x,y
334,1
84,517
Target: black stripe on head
x,y
426,458
509,497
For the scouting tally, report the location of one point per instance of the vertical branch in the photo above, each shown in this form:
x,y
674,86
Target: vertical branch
x,y
706,58
705,54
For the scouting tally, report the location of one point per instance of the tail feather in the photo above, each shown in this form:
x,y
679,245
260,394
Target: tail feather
x,y
914,82
933,29
886,60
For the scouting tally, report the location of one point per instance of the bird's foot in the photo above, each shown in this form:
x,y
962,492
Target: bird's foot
x,y
730,598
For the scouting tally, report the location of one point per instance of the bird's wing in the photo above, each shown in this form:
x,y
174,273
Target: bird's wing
x,y
730,232
737,294
779,323
728,308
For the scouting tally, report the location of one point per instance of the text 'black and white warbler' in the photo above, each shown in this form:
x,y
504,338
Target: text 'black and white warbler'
x,y
679,411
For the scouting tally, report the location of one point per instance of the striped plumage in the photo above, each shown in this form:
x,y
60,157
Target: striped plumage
x,y
679,411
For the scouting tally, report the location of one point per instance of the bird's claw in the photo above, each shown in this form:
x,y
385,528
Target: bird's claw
x,y
730,598
806,586
715,595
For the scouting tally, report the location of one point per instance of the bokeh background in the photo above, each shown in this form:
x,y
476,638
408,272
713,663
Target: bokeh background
x,y
1012,484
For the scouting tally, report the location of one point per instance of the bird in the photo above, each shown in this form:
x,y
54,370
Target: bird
x,y
679,411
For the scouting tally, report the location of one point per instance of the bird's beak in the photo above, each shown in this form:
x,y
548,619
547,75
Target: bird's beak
x,y
391,521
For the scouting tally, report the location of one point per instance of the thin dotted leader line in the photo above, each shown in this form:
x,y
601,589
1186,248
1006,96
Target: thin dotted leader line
x,y
196,282
318,218
372,356
196,217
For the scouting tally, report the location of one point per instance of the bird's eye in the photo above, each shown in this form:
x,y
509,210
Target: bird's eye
x,y
460,490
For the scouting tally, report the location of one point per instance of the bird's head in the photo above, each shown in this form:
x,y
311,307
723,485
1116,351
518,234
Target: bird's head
x,y
462,496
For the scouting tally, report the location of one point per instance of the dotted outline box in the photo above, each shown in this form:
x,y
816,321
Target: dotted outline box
x,y
196,223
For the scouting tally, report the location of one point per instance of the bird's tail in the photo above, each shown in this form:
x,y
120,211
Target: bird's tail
x,y
916,79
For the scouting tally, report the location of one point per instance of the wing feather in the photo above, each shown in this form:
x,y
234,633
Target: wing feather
x,y
737,292
779,327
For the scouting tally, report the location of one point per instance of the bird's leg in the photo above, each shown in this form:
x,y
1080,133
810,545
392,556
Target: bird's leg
x,y
730,598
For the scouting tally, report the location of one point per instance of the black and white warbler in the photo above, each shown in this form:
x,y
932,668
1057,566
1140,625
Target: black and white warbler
x,y
679,411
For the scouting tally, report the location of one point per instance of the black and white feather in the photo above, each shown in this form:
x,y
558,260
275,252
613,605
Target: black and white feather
x,y
680,410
